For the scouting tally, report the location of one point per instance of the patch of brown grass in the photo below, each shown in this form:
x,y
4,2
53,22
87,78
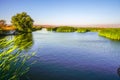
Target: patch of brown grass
x,y
7,28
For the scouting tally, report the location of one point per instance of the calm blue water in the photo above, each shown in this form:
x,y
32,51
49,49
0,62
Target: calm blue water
x,y
73,56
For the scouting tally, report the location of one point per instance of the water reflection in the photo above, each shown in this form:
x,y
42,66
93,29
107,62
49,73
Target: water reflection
x,y
23,41
12,63
118,71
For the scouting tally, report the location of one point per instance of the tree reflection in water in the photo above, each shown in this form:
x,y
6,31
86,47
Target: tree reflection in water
x,y
12,60
23,41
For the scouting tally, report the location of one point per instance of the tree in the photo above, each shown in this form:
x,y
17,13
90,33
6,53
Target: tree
x,y
2,23
22,22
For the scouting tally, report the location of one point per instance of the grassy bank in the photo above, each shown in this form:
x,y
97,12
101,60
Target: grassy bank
x,y
112,33
51,28
34,28
81,30
73,29
65,29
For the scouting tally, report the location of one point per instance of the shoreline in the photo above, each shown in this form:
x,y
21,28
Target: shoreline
x,y
82,26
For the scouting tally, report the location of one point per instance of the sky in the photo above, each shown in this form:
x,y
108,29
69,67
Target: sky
x,y
63,12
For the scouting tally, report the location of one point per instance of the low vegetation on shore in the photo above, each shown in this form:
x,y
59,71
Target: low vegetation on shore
x,y
51,28
14,57
23,23
81,30
65,29
111,33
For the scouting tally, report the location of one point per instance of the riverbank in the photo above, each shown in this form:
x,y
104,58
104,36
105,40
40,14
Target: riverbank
x,y
111,33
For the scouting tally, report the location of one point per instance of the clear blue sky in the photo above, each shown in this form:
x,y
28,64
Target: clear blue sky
x,y
64,12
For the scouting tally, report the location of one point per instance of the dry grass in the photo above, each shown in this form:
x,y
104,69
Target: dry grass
x,y
7,28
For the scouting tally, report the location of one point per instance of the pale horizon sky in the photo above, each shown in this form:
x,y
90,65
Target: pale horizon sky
x,y
63,12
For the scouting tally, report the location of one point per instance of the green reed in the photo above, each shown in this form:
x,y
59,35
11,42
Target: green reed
x,y
12,60
112,33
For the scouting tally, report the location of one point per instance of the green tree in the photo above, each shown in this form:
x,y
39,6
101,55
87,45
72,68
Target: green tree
x,y
22,22
2,23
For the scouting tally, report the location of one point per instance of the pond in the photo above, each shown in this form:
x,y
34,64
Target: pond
x,y
70,56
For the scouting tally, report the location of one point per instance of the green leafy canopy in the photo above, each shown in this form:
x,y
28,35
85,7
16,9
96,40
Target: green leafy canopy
x,y
22,22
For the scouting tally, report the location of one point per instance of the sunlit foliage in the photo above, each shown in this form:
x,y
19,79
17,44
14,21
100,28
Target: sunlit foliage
x,y
65,29
23,41
34,28
112,33
22,22
13,60
81,30
51,28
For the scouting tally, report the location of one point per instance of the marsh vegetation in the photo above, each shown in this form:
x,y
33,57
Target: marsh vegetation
x,y
111,33
65,29
23,23
14,56
14,51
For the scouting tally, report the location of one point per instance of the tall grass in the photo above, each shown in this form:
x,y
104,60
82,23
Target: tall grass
x,y
65,29
51,28
34,28
23,41
12,60
112,33
81,30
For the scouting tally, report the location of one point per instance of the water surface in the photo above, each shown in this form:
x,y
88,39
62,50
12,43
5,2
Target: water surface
x,y
73,56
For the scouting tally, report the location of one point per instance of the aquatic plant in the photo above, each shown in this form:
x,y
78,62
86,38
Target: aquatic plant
x,y
112,33
12,60
81,30
65,29
34,28
23,41
51,28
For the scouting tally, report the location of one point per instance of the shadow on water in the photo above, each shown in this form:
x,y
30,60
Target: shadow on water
x,y
118,71
13,61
